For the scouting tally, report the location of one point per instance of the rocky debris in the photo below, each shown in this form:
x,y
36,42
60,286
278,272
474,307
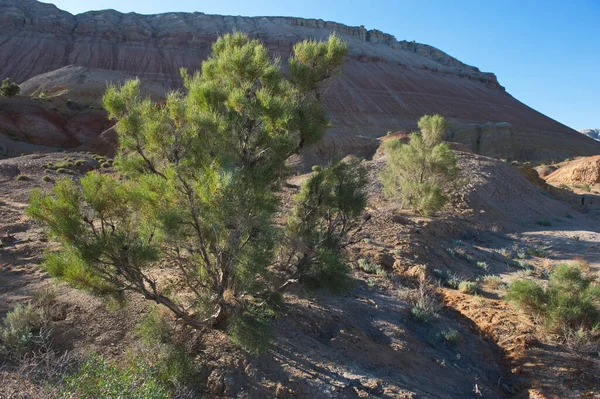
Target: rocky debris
x,y
580,171
545,170
593,133
386,84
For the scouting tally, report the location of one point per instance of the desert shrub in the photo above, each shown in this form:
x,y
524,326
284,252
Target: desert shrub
x,y
172,364
326,209
8,88
447,279
371,268
62,170
22,177
468,287
199,182
570,299
425,305
46,178
420,173
537,252
153,329
23,330
97,378
483,265
585,187
544,222
492,282
450,336
251,331
421,315
105,165
80,162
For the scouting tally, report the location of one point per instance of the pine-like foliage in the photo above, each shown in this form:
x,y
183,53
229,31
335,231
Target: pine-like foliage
x,y
326,209
8,88
420,173
199,182
571,300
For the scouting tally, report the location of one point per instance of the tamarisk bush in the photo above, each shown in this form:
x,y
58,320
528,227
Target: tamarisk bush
x,y
197,182
420,172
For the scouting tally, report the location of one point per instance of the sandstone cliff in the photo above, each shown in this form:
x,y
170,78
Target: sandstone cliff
x,y
386,84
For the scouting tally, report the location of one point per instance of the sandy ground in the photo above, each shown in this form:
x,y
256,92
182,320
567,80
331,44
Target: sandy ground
x,y
363,343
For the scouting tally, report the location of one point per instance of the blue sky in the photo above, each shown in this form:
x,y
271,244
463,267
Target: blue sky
x,y
546,53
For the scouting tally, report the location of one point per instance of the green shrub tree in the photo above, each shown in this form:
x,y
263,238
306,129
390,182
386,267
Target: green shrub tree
x,y
420,173
326,209
199,182
570,301
8,88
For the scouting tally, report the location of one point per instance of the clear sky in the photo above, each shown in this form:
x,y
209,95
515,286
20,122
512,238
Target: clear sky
x,y
545,52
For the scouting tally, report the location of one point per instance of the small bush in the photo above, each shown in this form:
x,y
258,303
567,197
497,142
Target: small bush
x,y
537,252
544,223
23,330
483,265
450,336
449,280
251,331
522,265
80,162
421,173
468,287
421,315
46,178
62,170
8,88
105,165
492,282
569,301
585,187
371,268
97,378
154,329
22,177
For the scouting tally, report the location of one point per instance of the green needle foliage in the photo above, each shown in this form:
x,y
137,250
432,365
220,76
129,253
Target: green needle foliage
x,y
570,300
8,88
199,181
420,173
327,209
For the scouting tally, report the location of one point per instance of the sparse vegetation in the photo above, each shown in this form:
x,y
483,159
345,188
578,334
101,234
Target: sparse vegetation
x,y
483,265
326,209
8,88
98,378
23,330
468,287
492,282
199,184
451,336
22,177
569,301
371,268
544,222
421,172
46,178
586,187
